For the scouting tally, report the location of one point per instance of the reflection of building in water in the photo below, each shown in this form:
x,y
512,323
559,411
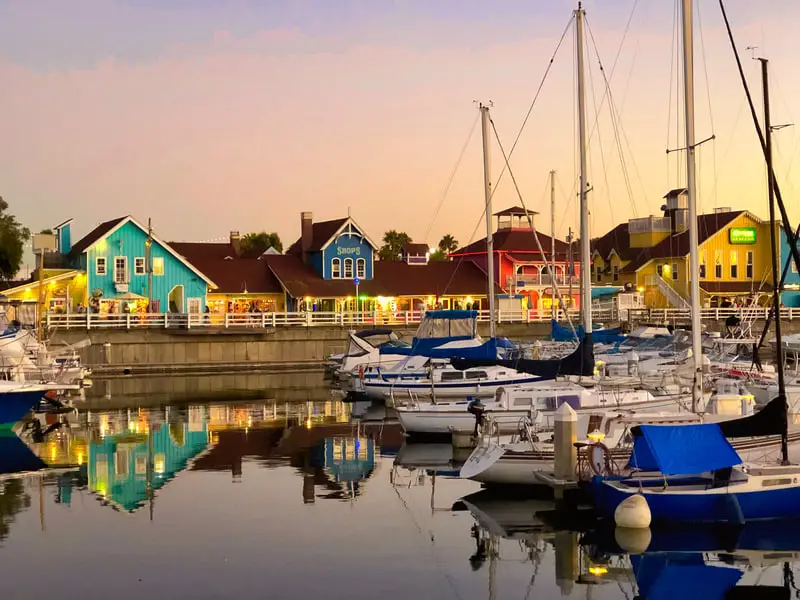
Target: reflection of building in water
x,y
277,414
13,500
126,469
349,459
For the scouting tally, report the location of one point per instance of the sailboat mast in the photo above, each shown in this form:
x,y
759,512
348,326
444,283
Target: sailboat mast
x,y
694,259
776,294
487,191
551,267
586,278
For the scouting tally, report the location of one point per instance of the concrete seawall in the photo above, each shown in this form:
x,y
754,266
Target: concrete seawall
x,y
286,348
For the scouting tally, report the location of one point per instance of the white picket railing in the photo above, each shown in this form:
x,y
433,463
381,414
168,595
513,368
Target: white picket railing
x,y
280,319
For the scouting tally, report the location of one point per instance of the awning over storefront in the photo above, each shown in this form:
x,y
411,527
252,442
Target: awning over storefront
x,y
734,288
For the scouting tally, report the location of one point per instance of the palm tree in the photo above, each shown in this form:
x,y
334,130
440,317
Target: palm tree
x,y
393,242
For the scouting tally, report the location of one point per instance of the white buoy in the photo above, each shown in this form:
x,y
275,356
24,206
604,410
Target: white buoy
x,y
633,513
633,541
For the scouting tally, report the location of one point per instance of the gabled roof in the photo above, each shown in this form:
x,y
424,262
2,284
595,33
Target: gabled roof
x,y
416,248
103,230
390,278
677,245
515,211
12,287
197,252
516,241
95,235
618,239
324,232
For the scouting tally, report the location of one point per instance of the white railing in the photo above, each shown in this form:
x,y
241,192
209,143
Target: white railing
x,y
671,294
280,319
378,318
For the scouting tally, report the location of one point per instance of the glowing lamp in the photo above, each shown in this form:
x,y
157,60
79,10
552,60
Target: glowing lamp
x,y
598,571
308,423
596,436
432,250
640,289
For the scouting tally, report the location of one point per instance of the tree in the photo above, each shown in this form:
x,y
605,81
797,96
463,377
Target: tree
x,y
393,242
258,243
12,239
447,245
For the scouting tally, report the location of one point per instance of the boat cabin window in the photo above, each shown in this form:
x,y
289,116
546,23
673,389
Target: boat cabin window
x,y
573,401
452,375
476,374
523,401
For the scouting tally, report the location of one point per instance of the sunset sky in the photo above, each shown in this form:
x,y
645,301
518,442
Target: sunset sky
x,y
216,115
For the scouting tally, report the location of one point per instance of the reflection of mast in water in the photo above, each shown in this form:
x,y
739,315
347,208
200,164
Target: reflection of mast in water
x,y
150,468
566,548
309,496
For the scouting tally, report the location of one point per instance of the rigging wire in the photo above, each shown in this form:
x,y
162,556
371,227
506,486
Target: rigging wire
x,y
672,55
550,264
452,175
710,110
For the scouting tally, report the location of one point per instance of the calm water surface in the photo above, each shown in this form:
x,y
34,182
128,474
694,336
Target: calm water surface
x,y
299,499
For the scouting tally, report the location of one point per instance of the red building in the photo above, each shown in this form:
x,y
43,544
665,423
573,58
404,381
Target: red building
x,y
520,265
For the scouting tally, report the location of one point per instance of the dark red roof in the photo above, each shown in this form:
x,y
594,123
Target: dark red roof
x,y
677,245
94,235
232,275
416,248
516,241
201,251
618,239
515,211
321,232
391,279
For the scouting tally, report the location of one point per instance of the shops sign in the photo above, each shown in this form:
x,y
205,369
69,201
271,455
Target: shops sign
x,y
742,235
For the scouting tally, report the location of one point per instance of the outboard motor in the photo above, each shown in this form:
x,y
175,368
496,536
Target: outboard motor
x,y
633,364
477,408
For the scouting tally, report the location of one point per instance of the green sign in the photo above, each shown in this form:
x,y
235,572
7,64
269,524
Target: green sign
x,y
742,235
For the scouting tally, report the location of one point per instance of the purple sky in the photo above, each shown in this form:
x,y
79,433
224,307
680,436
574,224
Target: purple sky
x,y
209,116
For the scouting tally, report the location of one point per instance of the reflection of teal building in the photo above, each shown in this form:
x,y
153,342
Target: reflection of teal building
x,y
349,459
126,469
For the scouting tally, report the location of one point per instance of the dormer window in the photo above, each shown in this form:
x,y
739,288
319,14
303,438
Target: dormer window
x,y
336,268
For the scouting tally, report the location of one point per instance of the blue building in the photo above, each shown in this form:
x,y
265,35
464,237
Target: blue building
x,y
791,294
113,259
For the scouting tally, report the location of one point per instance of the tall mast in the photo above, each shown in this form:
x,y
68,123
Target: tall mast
x,y
551,267
776,294
694,259
487,191
586,260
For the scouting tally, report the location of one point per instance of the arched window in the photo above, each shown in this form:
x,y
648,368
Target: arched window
x,y
336,268
361,268
348,268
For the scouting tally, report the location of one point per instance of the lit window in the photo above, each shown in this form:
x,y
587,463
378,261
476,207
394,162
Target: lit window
x,y
734,264
348,268
718,264
336,268
138,265
749,271
100,265
158,266
361,268
121,269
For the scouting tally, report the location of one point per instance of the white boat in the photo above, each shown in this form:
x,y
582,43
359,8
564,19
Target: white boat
x,y
369,348
511,406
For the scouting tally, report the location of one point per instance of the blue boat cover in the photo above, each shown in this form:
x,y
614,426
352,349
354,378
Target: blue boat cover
x,y
451,314
682,449
559,333
671,576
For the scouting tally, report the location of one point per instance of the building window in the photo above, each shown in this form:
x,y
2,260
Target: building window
x,y
702,264
599,273
100,265
749,271
674,271
336,268
615,271
120,269
660,270
734,264
361,268
348,268
718,264
158,266
138,266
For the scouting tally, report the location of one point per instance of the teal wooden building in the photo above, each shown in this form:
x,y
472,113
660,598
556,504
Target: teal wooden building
x,y
113,259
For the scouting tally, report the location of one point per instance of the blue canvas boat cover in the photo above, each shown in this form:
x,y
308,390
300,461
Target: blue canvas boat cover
x,y
451,314
682,449
671,576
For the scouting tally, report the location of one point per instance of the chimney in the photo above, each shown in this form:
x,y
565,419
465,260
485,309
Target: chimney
x,y
306,233
236,243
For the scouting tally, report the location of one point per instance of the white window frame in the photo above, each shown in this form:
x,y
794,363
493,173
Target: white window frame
x,y
347,271
674,271
125,278
158,260
97,262
734,264
361,268
336,268
749,267
719,267
139,266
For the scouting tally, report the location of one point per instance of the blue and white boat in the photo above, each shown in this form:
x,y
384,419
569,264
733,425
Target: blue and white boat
x,y
691,473
17,400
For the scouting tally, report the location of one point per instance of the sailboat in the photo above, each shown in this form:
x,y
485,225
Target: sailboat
x,y
692,473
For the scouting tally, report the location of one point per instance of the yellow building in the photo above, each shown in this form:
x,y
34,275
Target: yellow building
x,y
652,254
64,290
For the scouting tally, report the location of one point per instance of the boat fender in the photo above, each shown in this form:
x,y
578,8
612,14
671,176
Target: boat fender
x,y
633,513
